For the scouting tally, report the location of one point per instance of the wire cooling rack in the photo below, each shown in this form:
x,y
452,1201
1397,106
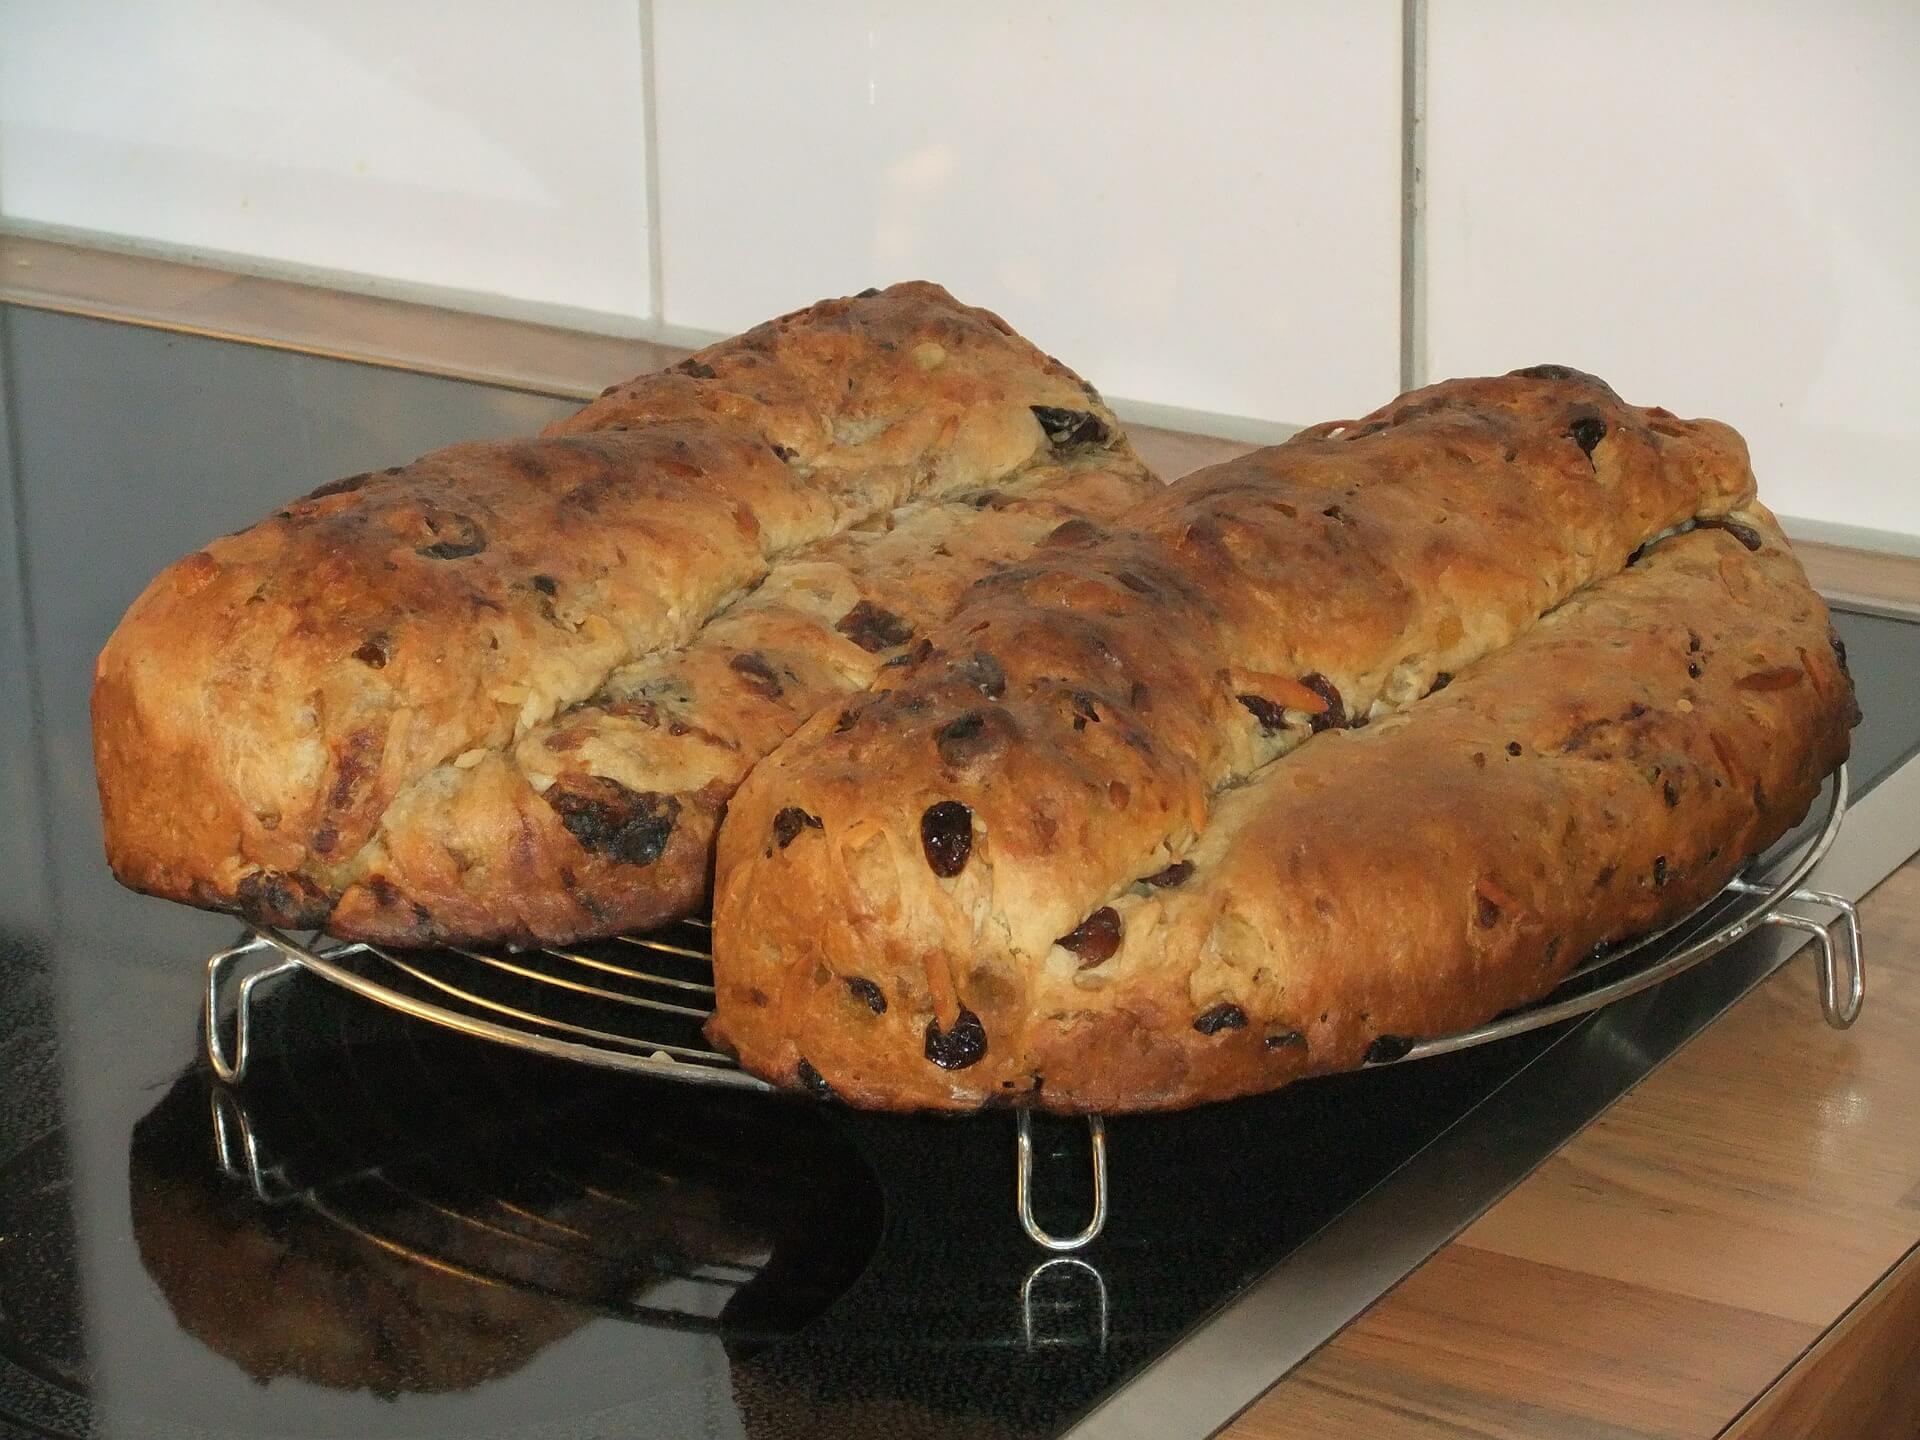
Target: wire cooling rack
x,y
637,1003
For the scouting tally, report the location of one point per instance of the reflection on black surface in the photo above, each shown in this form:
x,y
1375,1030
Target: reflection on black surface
x,y
439,1212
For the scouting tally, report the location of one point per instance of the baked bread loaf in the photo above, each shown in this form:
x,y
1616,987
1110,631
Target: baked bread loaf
x,y
501,693
1088,881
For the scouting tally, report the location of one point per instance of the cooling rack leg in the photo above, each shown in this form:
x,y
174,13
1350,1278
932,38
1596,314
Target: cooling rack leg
x,y
1023,1185
230,1066
1838,959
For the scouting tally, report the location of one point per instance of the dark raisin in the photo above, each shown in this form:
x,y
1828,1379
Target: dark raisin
x,y
696,369
1174,875
781,452
983,672
788,824
867,993
1225,1016
959,1047
921,649
1334,717
868,293
1745,534
1587,431
1671,793
1605,877
946,834
1140,697
1095,938
1083,709
812,1081
1485,911
986,499
373,652
1285,1040
1693,643
1634,711
1270,714
630,826
1838,646
1440,682
279,897
845,722
1139,584
874,629
1072,427
1694,671
963,740
462,537
752,666
1659,871
1385,1049
1513,747
1334,512
1638,554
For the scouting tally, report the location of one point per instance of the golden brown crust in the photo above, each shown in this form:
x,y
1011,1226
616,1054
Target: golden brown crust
x,y
270,700
1345,881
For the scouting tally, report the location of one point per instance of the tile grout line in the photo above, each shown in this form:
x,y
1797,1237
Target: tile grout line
x,y
650,148
1413,194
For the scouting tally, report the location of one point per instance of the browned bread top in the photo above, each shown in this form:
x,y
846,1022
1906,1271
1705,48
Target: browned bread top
x,y
1602,775
268,697
1071,732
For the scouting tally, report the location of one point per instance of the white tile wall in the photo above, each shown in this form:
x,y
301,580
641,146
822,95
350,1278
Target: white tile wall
x,y
1193,204
1716,205
493,145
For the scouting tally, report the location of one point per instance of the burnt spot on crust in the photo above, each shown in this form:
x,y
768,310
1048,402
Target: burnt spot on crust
x,y
279,897
1270,713
696,369
946,835
959,1047
1077,531
788,824
341,487
984,673
812,1081
1224,1016
874,629
867,993
456,536
1385,1049
1587,430
1072,427
608,819
1745,534
1285,1040
752,667
1095,938
1174,875
1335,715
374,653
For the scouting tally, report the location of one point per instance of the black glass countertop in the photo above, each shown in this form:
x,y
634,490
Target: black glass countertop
x,y
392,1231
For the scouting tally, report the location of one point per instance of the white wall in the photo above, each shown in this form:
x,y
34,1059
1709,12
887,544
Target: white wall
x,y
480,146
1712,203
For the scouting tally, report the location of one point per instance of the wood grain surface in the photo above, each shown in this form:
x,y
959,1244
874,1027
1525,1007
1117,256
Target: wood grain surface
x,y
1675,1258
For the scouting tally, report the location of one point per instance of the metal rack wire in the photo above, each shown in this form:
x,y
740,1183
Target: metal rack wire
x,y
637,1003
